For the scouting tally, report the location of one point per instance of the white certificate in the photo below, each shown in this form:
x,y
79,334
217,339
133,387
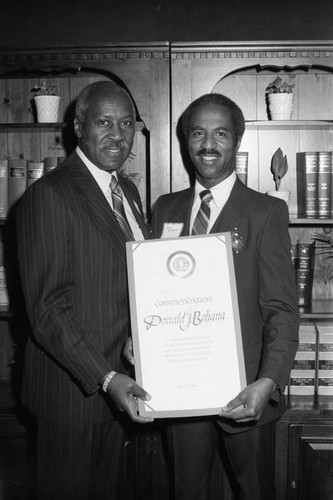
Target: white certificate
x,y
185,324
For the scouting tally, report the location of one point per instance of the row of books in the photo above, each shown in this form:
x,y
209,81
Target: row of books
x,y
312,371
16,175
302,256
315,184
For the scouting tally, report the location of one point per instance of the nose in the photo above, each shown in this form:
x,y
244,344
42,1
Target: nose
x,y
116,132
208,141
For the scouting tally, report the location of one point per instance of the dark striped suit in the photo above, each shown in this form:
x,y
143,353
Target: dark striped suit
x,y
73,268
266,295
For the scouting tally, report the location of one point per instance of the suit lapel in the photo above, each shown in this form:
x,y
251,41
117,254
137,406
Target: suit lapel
x,y
184,209
94,201
231,216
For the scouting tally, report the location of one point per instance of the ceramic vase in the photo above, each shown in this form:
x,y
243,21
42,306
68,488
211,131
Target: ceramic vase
x,y
280,106
283,195
47,107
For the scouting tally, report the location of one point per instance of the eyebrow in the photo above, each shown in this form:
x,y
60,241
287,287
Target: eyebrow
x,y
198,127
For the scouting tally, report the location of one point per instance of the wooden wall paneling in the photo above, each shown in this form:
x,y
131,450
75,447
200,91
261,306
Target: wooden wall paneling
x,y
316,138
51,144
3,99
181,98
207,71
241,88
3,119
159,111
6,351
316,97
20,110
19,104
135,165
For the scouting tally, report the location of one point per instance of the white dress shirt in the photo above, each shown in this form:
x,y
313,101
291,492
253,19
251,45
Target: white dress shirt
x,y
103,179
220,194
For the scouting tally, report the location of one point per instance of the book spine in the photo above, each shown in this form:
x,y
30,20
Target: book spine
x,y
4,298
331,199
241,166
303,372
325,364
302,383
35,171
3,189
304,267
17,180
324,184
307,184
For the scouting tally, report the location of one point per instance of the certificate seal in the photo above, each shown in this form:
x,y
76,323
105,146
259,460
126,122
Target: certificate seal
x,y
181,264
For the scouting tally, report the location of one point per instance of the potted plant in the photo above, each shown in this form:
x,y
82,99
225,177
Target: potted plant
x,y
280,99
279,168
47,101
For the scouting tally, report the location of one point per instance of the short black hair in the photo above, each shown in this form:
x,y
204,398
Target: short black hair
x,y
89,92
237,117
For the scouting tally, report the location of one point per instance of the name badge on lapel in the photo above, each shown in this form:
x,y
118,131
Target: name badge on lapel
x,y
172,229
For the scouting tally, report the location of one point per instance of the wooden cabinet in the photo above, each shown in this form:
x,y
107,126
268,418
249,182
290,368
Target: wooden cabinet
x,y
163,79
304,453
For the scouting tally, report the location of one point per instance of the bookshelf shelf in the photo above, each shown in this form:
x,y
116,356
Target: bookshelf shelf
x,y
4,127
317,309
314,403
310,222
289,123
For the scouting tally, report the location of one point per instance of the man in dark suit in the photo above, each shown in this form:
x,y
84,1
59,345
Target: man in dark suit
x,y
71,249
213,126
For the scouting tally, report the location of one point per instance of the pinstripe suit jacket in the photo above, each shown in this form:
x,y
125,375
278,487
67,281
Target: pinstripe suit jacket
x,y
265,281
73,270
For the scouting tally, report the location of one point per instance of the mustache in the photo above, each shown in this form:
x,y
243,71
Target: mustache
x,y
203,151
114,143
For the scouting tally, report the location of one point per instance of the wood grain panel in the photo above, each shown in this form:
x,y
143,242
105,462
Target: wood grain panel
x,y
243,90
181,98
3,119
315,97
159,110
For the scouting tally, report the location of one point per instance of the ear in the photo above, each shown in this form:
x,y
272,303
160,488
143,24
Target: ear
x,y
237,146
77,128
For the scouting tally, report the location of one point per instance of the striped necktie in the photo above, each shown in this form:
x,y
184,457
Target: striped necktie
x,y
200,224
118,209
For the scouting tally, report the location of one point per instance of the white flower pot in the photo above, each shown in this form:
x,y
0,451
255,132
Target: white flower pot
x,y
281,106
283,195
47,108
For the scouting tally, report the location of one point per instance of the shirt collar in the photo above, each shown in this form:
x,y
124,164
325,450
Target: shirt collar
x,y
221,191
102,177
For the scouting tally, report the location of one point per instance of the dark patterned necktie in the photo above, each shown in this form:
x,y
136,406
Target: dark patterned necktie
x,y
200,224
118,209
